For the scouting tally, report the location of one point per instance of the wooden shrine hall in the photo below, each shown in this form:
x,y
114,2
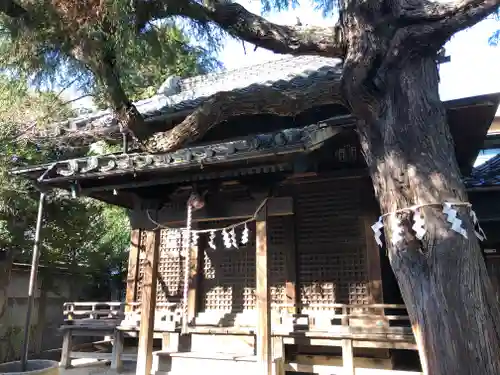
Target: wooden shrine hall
x,y
252,250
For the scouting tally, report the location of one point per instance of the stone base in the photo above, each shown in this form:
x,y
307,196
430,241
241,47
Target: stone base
x,y
34,367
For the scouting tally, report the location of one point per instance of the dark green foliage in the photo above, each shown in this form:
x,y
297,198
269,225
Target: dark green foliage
x,y
157,52
51,53
82,234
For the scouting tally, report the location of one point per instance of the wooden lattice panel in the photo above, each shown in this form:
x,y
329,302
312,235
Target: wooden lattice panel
x,y
170,268
229,274
277,259
331,243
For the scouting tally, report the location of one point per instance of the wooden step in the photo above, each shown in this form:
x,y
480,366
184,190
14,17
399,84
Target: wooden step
x,y
165,363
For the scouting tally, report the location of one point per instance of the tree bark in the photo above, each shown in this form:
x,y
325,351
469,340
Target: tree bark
x,y
443,278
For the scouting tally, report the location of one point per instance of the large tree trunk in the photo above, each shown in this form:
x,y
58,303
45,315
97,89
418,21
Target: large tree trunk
x,y
443,278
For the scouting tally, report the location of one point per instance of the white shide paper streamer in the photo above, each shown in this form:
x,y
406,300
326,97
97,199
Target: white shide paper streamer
x,y
418,225
377,230
419,222
397,230
451,217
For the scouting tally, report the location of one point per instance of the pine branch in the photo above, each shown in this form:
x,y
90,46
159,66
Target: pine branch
x,y
224,105
242,24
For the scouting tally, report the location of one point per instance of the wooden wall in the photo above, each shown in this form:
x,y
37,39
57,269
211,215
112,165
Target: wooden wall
x,y
324,253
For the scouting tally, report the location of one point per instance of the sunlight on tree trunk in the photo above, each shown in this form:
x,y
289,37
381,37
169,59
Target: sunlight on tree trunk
x,y
443,278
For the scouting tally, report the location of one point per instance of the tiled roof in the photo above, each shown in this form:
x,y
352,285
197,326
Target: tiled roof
x,y
486,174
286,73
246,150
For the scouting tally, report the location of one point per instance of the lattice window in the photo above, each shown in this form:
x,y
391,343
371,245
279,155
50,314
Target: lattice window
x,y
229,274
170,268
331,243
277,259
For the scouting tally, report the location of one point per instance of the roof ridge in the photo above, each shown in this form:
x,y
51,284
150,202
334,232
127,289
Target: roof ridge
x,y
190,82
237,69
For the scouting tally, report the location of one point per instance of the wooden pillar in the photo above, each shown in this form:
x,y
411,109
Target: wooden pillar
x,y
264,357
374,270
148,303
133,268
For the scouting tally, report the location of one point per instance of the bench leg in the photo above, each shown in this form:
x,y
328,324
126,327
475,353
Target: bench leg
x,y
347,357
278,347
66,350
116,355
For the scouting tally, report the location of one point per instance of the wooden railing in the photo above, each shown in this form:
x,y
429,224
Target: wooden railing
x,y
93,310
357,314
324,317
118,313
313,317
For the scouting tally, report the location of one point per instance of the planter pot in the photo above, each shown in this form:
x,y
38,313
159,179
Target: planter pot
x,y
34,367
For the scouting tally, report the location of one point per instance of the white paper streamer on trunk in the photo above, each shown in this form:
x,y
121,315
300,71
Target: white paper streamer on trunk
x,y
245,235
396,230
377,230
419,224
477,228
456,223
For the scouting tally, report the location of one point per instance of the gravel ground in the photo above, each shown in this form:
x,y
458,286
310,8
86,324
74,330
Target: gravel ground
x,y
93,367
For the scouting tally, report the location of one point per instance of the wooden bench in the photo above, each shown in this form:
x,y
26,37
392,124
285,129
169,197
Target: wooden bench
x,y
114,320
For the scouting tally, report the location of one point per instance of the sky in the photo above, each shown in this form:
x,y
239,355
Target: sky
x,y
473,69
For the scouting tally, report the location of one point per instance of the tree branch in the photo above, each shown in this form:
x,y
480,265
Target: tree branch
x,y
242,24
225,105
424,30
451,17
468,13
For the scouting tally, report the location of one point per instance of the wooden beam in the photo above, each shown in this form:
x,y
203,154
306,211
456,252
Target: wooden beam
x,y
133,268
263,340
148,303
281,206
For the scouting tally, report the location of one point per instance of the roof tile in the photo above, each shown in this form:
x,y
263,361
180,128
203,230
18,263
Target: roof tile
x,y
286,73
